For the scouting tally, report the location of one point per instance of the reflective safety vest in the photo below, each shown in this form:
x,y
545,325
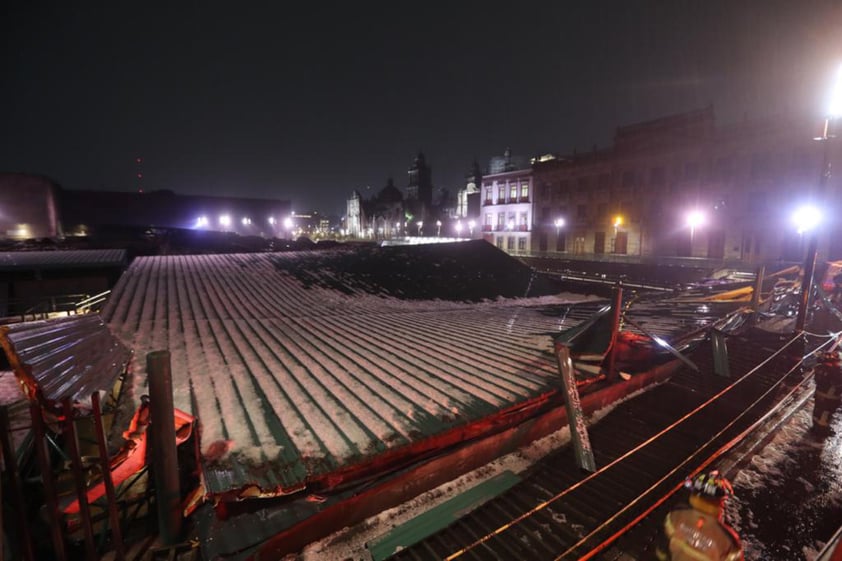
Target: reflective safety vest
x,y
696,536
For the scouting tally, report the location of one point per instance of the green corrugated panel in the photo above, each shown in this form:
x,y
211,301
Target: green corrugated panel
x,y
435,519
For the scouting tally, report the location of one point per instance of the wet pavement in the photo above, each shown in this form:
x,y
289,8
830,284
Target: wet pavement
x,y
788,496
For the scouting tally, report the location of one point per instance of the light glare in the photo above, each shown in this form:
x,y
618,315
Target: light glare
x,y
695,218
806,218
835,106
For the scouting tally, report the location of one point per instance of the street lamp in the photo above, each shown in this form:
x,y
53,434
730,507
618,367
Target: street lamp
x,y
471,225
438,228
559,224
420,225
458,228
695,218
807,218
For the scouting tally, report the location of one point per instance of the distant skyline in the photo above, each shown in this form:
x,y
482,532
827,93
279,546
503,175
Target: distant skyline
x,y
308,103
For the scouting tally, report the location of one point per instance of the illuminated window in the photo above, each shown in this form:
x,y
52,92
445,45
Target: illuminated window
x,y
513,191
524,190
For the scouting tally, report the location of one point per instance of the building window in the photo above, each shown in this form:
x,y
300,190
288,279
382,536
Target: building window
x,y
511,222
724,169
758,201
501,194
501,220
602,210
599,242
656,177
521,244
581,211
524,191
510,243
513,192
500,242
488,195
561,241
760,165
604,180
523,222
545,215
621,243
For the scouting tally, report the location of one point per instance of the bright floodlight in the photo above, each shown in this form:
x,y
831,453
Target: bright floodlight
x,y
835,107
458,227
272,220
559,222
288,223
695,218
246,221
806,218
618,221
224,220
202,221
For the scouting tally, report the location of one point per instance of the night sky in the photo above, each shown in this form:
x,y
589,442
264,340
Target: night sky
x,y
308,103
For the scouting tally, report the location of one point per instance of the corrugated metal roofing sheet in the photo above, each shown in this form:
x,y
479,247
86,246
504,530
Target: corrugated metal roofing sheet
x,y
70,357
14,260
296,370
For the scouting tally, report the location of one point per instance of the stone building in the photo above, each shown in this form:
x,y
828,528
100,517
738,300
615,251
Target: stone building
x,y
507,204
740,183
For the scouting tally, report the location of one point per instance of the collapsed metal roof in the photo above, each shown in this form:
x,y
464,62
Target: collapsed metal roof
x,y
298,366
70,357
303,367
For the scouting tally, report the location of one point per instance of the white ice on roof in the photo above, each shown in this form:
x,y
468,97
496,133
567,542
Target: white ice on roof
x,y
266,363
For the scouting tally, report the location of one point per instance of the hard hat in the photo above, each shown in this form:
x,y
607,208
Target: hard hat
x,y
710,484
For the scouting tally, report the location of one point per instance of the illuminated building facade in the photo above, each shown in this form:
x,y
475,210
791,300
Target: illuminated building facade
x,y
507,204
739,183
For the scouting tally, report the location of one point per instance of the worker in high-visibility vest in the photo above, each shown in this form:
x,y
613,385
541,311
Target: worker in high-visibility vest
x,y
698,532
828,396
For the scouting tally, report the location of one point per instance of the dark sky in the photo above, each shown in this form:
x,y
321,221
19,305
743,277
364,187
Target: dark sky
x,y
308,102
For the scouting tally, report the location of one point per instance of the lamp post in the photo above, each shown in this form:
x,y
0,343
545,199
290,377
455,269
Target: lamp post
x,y
559,224
288,226
695,218
458,228
833,111
806,219
438,228
471,225
420,225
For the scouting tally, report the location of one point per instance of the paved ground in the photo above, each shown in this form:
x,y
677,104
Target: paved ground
x,y
789,494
